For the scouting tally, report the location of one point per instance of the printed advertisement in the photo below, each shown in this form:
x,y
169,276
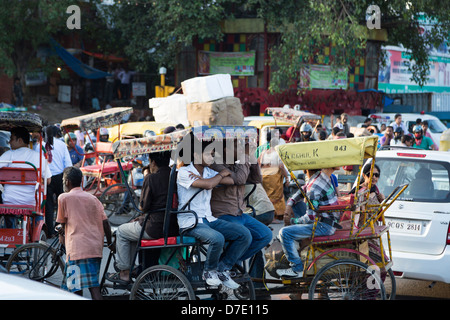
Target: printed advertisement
x,y
233,63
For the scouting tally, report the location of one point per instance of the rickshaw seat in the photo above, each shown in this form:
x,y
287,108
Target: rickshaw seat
x,y
344,203
344,234
108,168
17,209
170,241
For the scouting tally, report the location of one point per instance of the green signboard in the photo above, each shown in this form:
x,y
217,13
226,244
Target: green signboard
x,y
233,63
323,77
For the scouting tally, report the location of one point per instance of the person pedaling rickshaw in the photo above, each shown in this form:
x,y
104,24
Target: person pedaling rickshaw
x,y
321,192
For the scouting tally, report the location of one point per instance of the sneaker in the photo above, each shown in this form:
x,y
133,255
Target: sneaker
x,y
227,281
212,278
289,273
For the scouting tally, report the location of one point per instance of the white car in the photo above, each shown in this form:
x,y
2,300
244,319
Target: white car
x,y
419,220
16,288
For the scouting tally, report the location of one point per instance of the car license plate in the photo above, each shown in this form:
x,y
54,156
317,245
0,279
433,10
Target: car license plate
x,y
404,226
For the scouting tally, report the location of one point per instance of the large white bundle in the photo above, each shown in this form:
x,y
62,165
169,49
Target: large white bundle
x,y
171,109
208,88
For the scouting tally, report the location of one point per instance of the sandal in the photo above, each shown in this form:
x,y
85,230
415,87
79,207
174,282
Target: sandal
x,y
115,277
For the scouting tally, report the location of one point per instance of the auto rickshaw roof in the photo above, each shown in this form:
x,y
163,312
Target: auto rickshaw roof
x,y
11,119
328,153
105,118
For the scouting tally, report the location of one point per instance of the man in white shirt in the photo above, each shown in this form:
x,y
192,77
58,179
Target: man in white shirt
x,y
21,194
398,123
58,158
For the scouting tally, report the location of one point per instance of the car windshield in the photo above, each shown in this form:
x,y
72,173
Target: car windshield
x,y
436,126
428,181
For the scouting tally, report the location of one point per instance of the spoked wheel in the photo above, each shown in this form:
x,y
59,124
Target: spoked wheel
x,y
162,283
115,206
37,261
246,290
388,278
347,280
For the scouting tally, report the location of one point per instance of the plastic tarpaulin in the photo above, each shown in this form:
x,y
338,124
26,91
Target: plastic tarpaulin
x,y
83,70
328,153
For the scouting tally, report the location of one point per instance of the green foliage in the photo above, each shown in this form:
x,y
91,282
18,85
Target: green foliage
x,y
24,25
308,25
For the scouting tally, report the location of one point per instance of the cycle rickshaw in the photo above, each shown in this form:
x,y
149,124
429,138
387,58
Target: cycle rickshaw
x,y
103,178
352,263
28,220
178,276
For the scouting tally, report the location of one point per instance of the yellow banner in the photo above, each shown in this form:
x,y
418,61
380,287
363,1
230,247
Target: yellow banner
x,y
328,153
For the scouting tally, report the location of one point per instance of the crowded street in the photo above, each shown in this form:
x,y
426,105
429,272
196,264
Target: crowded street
x,y
224,156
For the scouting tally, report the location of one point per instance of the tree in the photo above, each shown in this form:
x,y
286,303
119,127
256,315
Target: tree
x,y
24,26
155,31
307,25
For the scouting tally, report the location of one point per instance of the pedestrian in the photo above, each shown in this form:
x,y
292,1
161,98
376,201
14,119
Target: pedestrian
x,y
18,92
343,124
85,226
58,158
117,91
125,81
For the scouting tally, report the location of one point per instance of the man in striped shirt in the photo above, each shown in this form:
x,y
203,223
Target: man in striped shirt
x,y
321,192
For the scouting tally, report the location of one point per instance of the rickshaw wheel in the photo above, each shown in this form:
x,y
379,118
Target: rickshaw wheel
x,y
347,279
28,261
388,279
113,199
162,282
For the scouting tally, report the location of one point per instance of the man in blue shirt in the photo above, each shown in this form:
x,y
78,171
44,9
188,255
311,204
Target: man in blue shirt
x,y
75,151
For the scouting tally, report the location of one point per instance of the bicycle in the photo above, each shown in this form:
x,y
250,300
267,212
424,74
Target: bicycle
x,y
39,261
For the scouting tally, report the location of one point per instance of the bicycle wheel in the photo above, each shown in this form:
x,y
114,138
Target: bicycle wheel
x,y
113,200
162,283
37,261
347,280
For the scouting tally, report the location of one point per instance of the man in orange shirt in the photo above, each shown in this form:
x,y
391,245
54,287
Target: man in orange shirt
x,y
85,225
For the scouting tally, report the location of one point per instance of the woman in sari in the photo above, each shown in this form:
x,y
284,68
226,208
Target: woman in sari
x,y
273,172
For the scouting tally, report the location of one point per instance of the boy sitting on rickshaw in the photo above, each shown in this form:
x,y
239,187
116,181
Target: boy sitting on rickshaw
x,y
197,175
321,192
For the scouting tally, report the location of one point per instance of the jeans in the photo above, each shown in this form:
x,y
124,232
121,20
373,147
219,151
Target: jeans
x,y
261,235
288,235
215,233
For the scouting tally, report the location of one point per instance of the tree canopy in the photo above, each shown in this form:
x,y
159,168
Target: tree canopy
x,y
155,31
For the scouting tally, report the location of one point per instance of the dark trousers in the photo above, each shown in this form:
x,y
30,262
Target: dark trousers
x,y
54,189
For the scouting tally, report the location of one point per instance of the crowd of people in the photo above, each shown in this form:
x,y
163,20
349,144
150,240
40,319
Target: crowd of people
x,y
221,207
